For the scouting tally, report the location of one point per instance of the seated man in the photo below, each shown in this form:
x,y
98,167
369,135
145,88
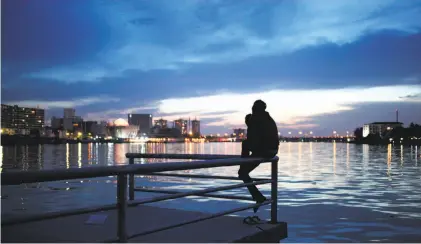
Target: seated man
x,y
262,141
245,149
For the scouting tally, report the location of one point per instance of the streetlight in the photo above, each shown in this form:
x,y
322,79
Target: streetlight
x,y
300,132
289,133
311,132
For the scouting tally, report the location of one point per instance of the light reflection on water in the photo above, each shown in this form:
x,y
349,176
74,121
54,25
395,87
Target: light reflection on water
x,y
327,191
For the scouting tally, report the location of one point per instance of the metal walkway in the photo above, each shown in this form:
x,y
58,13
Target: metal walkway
x,y
136,222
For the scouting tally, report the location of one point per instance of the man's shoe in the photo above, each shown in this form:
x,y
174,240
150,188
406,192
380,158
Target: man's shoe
x,y
261,200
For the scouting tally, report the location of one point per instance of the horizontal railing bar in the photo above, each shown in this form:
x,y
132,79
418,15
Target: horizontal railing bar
x,y
14,178
180,156
204,176
201,219
196,192
53,215
65,213
205,194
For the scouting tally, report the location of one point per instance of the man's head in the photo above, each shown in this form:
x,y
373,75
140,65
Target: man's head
x,y
248,117
258,107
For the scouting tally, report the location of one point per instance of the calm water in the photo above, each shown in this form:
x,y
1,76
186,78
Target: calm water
x,y
328,192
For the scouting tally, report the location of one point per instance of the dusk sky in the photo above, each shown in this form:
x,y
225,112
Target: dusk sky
x,y
320,65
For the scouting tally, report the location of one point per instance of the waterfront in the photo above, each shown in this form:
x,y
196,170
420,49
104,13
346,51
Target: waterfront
x,y
327,191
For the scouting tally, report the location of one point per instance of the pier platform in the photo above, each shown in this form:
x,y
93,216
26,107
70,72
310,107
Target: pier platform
x,y
143,218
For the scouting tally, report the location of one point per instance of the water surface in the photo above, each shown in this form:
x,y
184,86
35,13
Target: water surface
x,y
328,192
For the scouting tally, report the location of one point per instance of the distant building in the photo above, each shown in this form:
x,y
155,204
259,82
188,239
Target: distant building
x,y
69,113
157,132
89,127
121,129
195,125
101,129
143,121
7,116
57,123
22,119
73,124
379,127
240,133
181,125
161,123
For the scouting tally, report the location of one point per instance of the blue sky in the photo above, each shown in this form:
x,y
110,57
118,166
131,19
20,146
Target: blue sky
x,y
321,65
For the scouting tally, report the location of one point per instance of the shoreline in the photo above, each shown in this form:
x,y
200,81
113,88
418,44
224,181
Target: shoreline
x,y
27,140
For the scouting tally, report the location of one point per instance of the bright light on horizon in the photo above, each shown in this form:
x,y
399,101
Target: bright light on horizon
x,y
230,108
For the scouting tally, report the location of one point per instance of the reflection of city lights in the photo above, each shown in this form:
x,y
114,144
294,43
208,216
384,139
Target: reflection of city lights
x,y
67,156
79,155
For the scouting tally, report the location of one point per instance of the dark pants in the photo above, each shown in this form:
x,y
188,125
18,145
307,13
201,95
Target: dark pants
x,y
245,169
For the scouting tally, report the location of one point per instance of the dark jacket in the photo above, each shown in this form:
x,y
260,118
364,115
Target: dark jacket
x,y
262,133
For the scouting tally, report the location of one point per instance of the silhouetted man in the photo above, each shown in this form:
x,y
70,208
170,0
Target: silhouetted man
x,y
262,141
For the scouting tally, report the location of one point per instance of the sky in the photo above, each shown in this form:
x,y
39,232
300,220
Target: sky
x,y
320,65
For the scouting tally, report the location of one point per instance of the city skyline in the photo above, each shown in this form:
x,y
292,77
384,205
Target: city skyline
x,y
319,65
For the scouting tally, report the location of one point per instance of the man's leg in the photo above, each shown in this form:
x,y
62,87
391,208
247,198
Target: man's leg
x,y
243,174
245,149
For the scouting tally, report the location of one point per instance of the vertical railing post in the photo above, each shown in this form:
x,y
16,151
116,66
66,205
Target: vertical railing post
x,y
131,181
274,193
122,207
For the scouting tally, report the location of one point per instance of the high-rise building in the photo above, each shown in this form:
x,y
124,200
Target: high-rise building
x,y
195,127
144,121
181,125
21,118
56,123
161,123
69,113
7,120
89,127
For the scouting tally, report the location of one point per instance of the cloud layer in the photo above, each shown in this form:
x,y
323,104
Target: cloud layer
x,y
293,109
174,35
77,102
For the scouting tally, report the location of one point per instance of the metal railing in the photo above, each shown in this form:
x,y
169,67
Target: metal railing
x,y
157,169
